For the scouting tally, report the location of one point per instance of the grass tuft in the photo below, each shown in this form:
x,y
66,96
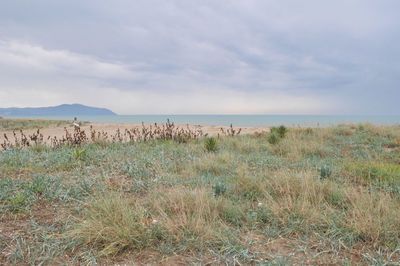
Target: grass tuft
x,y
210,144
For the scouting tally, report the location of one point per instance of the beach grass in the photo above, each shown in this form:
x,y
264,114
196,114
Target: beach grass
x,y
24,123
309,196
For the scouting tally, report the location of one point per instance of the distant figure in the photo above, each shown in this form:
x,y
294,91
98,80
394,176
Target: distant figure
x,y
75,123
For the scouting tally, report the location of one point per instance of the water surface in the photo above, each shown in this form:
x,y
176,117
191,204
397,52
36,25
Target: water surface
x,y
245,120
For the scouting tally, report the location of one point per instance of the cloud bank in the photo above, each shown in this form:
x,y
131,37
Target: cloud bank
x,y
151,57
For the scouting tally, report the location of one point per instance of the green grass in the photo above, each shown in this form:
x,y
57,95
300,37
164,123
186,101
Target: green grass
x,y
22,123
211,144
316,196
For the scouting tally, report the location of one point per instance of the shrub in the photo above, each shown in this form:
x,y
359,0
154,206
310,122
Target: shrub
x,y
280,131
211,144
273,138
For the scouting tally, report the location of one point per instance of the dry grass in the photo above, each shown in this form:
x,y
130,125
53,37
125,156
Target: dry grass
x,y
302,195
78,136
301,143
318,196
112,224
194,212
195,218
374,216
117,222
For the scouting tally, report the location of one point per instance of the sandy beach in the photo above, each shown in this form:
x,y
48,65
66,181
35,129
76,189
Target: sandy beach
x,y
112,128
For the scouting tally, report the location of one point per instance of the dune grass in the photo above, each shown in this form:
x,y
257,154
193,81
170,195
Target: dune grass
x,y
313,196
23,123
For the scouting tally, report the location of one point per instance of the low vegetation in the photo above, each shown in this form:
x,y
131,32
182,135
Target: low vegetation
x,y
9,124
312,196
78,137
211,144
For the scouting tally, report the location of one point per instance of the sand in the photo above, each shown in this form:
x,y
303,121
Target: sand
x,y
111,129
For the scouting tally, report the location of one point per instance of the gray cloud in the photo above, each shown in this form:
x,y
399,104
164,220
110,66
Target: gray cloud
x,y
202,56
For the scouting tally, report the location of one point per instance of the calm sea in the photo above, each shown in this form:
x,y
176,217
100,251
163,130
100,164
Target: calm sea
x,y
246,120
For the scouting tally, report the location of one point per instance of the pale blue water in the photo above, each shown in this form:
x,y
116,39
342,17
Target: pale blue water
x,y
246,120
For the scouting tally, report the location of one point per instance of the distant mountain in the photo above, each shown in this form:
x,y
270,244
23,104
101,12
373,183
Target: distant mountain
x,y
60,110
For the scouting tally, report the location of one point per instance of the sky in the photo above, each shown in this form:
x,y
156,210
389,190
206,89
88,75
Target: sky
x,y
201,56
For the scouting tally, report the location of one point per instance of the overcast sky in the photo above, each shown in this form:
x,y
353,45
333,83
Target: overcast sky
x,y
185,57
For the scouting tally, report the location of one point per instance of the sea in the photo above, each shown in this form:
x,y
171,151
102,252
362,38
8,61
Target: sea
x,y
245,120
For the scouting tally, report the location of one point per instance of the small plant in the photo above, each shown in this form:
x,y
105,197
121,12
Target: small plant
x,y
280,131
219,189
37,186
325,172
273,138
211,144
18,202
230,131
79,154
